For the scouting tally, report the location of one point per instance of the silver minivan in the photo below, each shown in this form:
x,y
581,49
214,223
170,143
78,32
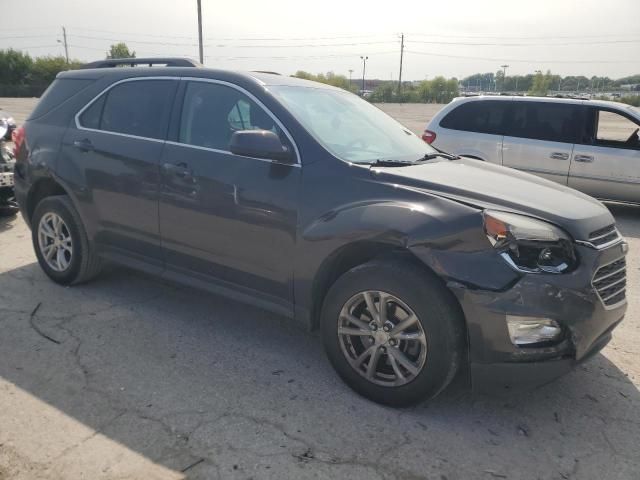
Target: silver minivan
x,y
590,145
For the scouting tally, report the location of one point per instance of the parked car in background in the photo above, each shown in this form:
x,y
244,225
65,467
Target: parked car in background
x,y
590,145
8,205
308,201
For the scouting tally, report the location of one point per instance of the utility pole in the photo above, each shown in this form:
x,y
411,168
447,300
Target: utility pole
x,y
64,41
350,72
200,32
504,75
364,68
401,54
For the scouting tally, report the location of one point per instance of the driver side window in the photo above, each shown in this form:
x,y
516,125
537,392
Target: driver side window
x,y
212,113
615,130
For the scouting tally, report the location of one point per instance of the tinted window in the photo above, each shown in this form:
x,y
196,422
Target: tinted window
x,y
139,108
90,118
480,116
212,113
61,90
556,122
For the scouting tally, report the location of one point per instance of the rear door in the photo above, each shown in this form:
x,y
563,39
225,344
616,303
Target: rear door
x,y
607,164
539,137
474,129
112,155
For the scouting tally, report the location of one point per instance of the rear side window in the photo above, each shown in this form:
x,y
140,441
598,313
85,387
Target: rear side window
x,y
61,90
480,117
139,108
555,122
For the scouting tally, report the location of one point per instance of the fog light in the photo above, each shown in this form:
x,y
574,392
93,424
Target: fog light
x,y
531,330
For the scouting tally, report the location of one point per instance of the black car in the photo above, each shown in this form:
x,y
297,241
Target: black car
x,y
310,202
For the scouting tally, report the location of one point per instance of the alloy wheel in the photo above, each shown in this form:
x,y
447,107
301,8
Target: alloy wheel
x,y
55,242
382,338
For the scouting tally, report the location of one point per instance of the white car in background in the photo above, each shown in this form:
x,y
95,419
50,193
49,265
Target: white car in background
x,y
590,145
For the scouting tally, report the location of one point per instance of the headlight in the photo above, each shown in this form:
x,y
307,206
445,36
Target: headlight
x,y
529,245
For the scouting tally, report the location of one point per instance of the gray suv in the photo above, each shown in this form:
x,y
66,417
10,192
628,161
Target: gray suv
x,y
306,200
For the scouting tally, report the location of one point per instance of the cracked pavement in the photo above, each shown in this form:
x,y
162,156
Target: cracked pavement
x,y
128,377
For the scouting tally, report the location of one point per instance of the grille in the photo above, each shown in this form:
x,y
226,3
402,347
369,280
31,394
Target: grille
x,y
603,235
610,281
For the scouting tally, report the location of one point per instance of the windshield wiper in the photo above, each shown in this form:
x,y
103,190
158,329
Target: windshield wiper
x,y
391,163
431,156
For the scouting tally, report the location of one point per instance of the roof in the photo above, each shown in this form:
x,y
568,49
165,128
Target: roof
x,y
519,98
260,78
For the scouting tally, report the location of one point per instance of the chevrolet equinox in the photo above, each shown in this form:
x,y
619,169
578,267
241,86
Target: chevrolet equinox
x,y
308,201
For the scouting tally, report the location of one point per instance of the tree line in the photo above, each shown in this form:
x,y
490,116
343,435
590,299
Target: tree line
x,y
24,76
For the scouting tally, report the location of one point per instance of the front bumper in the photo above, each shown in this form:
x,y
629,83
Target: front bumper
x,y
569,299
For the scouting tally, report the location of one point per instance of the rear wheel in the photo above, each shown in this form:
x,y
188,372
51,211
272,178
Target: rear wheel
x,y
393,333
61,243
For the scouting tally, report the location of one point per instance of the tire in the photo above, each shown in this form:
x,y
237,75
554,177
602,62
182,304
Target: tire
x,y
439,318
82,262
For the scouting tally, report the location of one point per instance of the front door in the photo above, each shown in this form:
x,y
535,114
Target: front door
x,y
539,137
608,165
111,159
224,218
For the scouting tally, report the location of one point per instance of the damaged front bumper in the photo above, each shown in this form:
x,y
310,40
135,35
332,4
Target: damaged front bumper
x,y
572,300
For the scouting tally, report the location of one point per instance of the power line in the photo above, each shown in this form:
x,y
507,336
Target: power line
x,y
261,37
507,37
499,44
466,57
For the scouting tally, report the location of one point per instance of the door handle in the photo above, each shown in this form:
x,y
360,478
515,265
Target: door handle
x,y
83,145
180,170
584,158
559,156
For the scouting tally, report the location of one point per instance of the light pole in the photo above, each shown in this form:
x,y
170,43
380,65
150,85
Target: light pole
x,y
364,68
504,75
350,72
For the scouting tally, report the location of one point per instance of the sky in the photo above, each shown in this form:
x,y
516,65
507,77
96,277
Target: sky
x,y
442,37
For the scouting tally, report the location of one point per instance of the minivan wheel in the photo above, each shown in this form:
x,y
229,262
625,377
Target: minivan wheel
x,y
61,243
392,332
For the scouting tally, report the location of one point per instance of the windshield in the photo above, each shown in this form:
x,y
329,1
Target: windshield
x,y
351,128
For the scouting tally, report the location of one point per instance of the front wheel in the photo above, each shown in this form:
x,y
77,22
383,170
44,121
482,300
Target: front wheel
x,y
392,332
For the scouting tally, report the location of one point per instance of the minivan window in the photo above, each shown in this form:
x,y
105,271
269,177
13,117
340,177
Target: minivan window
x,y
484,116
139,108
212,113
350,128
616,130
555,122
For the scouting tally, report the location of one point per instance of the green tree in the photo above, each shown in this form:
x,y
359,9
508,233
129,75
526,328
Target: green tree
x,y
120,50
329,78
384,93
45,69
541,83
15,67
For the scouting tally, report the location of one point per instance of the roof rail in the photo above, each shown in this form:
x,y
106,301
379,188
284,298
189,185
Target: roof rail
x,y
131,62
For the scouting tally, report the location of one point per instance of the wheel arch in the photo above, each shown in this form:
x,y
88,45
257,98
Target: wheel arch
x,y
44,187
358,253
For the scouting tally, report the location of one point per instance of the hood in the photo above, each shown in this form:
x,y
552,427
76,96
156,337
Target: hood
x,y
486,185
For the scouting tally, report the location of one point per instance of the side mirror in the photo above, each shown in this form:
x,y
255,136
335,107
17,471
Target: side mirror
x,y
260,144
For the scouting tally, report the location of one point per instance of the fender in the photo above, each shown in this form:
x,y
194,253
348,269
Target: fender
x,y
444,235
